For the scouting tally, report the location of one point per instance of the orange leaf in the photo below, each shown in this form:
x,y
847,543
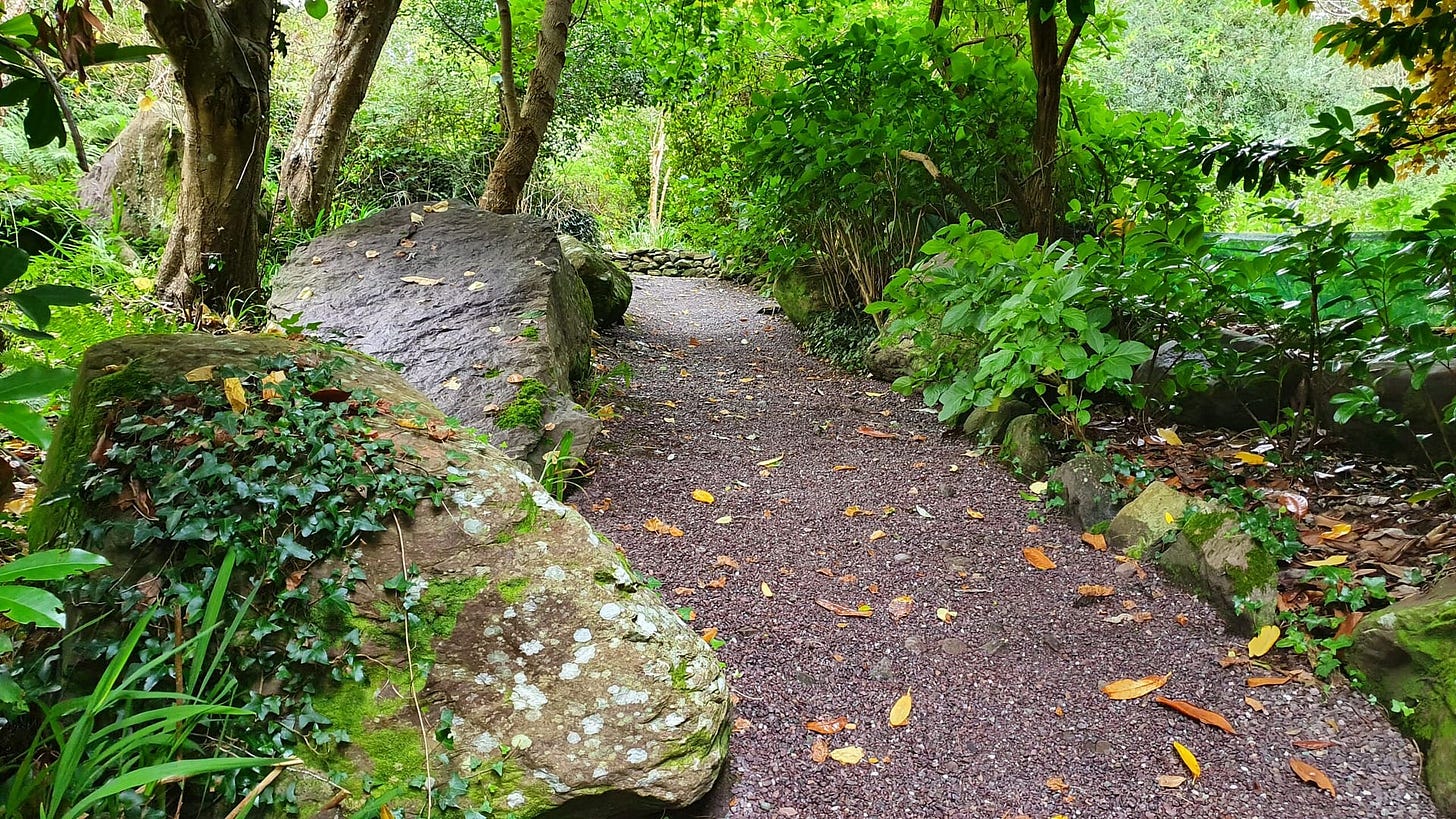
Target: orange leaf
x,y
1192,711
1312,775
1258,682
1098,542
1038,559
718,582
1132,689
1315,744
1347,625
974,515
819,751
1095,591
709,634
827,726
842,611
871,432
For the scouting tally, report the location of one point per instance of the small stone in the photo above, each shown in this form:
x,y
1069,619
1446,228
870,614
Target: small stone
x,y
953,646
883,670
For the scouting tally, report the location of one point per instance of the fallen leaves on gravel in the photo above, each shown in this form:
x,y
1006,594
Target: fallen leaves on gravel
x,y
1312,775
726,562
945,615
709,634
718,582
871,432
1098,542
1037,558
1132,689
819,751
1188,759
845,611
902,606
845,468
657,526
1167,781
1056,783
703,496
765,590
827,726
848,755
974,515
740,725
900,711
1088,590
1254,705
724,521
853,511
1192,711
1263,641
878,534
1259,682
1315,744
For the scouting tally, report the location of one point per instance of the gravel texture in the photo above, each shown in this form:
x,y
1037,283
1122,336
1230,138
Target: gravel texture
x,y
1008,719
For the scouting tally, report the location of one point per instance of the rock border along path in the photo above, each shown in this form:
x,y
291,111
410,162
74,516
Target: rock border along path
x,y
1008,719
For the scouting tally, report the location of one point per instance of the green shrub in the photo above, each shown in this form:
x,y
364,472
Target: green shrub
x,y
841,337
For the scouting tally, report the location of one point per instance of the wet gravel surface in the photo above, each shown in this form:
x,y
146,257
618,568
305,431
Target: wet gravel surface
x,y
1008,719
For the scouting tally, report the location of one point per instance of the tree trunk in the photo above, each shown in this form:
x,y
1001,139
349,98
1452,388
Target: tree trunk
x,y
1048,64
310,167
222,59
517,157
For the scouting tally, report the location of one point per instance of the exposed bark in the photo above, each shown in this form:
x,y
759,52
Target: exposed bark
x,y
310,167
517,157
222,59
937,9
510,100
1049,65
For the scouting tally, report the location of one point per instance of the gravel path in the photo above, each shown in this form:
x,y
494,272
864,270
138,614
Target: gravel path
x,y
1008,719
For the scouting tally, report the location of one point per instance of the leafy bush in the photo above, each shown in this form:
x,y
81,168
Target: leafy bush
x,y
840,337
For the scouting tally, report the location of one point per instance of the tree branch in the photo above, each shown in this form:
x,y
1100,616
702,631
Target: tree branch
x,y
1066,54
66,113
509,100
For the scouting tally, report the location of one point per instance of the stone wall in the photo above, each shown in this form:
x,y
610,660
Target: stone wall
x,y
666,262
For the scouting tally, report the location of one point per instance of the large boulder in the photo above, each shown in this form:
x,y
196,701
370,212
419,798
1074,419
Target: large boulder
x,y
803,292
987,425
610,289
1201,547
482,311
555,660
134,183
1089,488
1023,447
1407,653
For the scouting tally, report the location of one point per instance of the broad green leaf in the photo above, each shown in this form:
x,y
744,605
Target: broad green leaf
x,y
317,9
29,605
26,424
13,264
52,564
37,381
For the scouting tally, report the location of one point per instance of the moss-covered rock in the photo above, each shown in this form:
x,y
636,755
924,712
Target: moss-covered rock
x,y
803,293
595,697
987,425
1407,652
610,289
1089,488
1148,519
1023,447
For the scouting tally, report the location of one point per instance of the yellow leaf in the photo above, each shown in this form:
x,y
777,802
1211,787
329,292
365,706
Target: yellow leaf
x,y
1170,436
767,592
900,712
771,462
848,755
974,515
1337,560
1263,641
703,496
1250,458
945,615
1039,488
1339,530
385,812
421,281
724,521
1168,517
877,534
143,284
1188,759
200,374
1132,689
476,286
233,389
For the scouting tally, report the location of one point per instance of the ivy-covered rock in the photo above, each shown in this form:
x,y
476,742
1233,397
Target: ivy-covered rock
x,y
1022,447
478,304
1089,489
1201,548
1407,653
803,293
134,184
610,289
505,652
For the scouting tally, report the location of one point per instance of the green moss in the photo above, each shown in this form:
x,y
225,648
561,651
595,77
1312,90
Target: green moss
x,y
1198,527
526,409
1260,574
680,675
513,591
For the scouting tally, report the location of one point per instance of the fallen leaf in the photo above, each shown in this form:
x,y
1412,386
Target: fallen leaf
x,y
844,611
145,285
771,462
1095,591
740,725
765,590
845,468
1259,682
1037,558
709,634
421,281
1170,437
724,521
1315,744
901,606
515,378
1293,503
827,726
852,511
877,534
237,399
1263,641
1132,689
658,526
871,432
974,515
1312,775
1181,619
371,254
451,383
717,583
1188,759
200,374
476,286
727,562
1056,783
945,615
1039,487
1192,711
1347,625
703,496
900,711
1336,532
1250,458
1254,704
849,754
819,751
1098,542
1168,781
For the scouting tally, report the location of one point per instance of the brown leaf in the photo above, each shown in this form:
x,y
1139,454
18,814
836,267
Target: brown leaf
x,y
1254,704
902,606
657,526
1168,781
844,611
871,432
1056,783
718,582
1258,682
740,725
1095,591
827,726
1037,558
1192,711
1098,542
294,580
726,562
1312,775
1315,744
1347,625
819,751
1132,689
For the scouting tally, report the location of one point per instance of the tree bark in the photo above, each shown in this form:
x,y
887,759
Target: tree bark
x,y
310,167
1049,65
517,157
222,59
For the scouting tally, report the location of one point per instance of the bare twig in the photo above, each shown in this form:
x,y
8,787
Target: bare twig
x,y
258,788
66,113
409,658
